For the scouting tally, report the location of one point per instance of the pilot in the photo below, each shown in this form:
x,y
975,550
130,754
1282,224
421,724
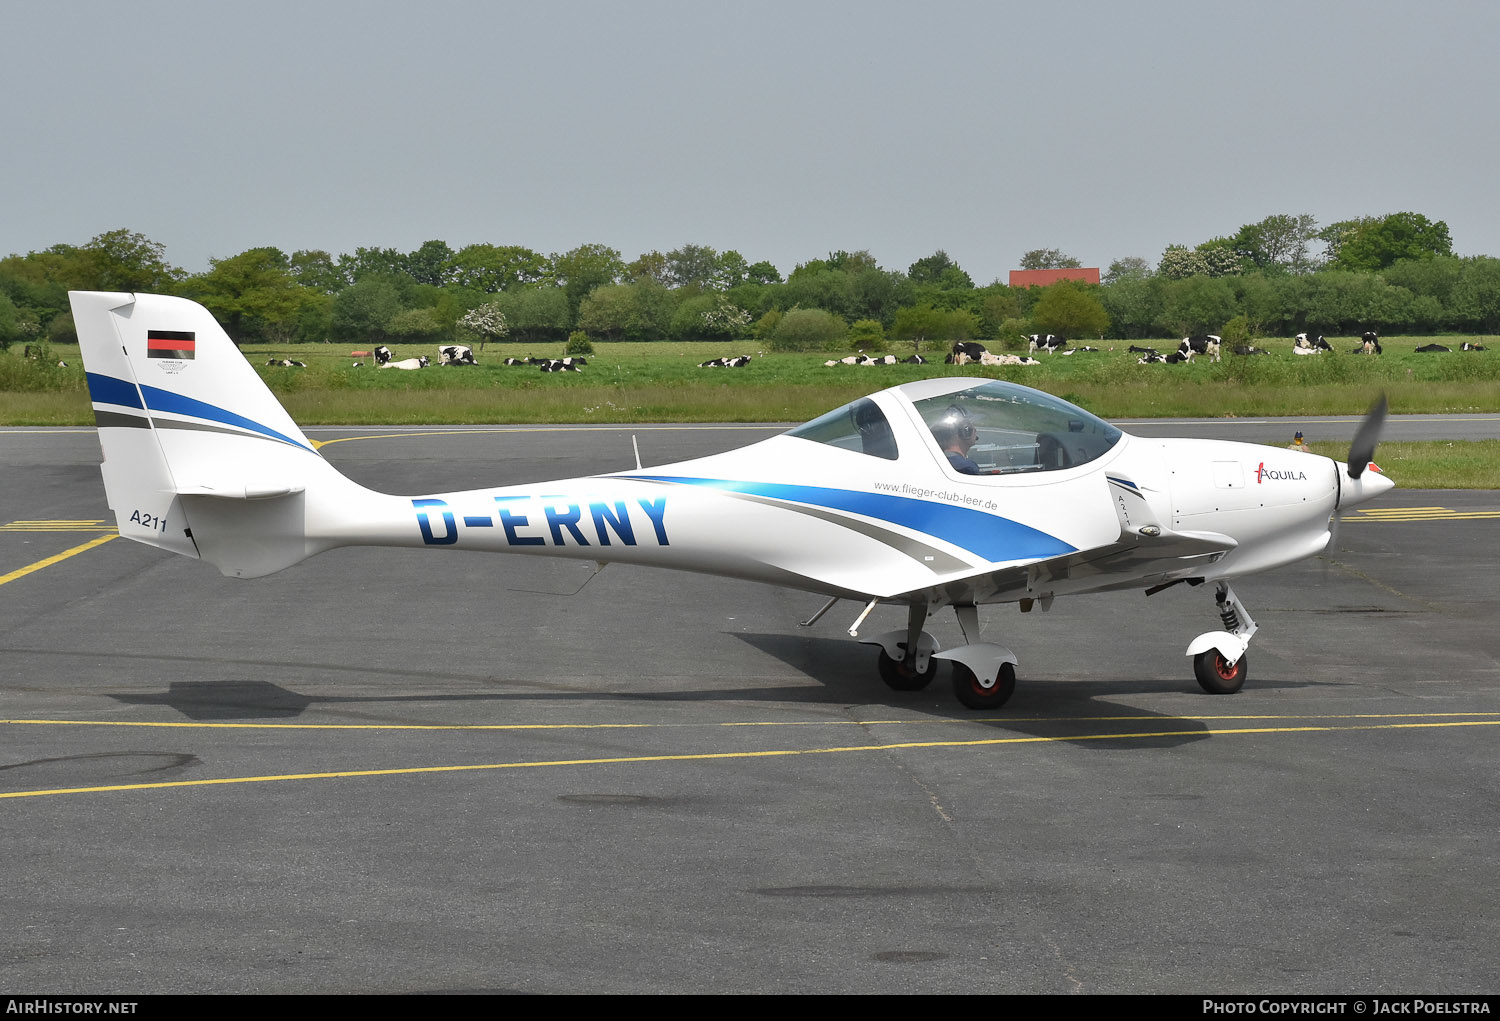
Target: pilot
x,y
956,434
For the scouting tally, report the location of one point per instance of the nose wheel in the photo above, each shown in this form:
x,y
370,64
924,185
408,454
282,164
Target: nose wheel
x,y
1216,675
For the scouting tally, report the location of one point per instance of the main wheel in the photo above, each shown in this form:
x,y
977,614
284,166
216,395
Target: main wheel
x,y
975,695
1216,676
900,675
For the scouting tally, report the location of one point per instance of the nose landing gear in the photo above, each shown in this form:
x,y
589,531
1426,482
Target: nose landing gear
x,y
1219,660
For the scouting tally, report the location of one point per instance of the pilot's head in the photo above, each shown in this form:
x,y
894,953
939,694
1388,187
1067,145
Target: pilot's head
x,y
955,429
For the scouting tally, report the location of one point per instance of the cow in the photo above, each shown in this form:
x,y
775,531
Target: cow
x,y
1076,350
1047,342
964,352
1369,344
562,365
1433,349
382,355
406,363
1142,351
914,360
455,354
1466,346
1206,344
287,363
1303,342
737,362
1150,357
1248,349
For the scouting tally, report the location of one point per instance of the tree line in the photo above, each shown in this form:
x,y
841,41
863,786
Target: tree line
x,y
1394,273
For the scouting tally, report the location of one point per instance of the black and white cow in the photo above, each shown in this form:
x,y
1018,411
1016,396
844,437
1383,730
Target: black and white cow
x,y
382,355
287,363
964,352
405,363
1046,342
1248,349
455,354
1369,344
1204,344
737,362
1466,346
563,365
1302,343
1433,349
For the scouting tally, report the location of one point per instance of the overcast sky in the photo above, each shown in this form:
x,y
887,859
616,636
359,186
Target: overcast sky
x,y
781,130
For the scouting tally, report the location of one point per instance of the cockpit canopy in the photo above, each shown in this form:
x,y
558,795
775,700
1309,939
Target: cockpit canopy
x,y
990,428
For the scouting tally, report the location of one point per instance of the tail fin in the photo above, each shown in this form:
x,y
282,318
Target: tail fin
x,y
199,457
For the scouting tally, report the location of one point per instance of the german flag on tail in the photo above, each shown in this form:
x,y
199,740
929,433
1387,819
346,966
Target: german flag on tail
x,y
170,344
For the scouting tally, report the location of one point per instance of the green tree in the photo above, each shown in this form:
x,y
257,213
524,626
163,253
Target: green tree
x,y
1131,267
254,295
805,329
537,313
1070,310
316,270
650,265
1278,242
416,324
363,310
121,260
866,335
431,264
495,268
1048,258
1379,242
1198,304
921,324
585,268
692,266
763,273
940,271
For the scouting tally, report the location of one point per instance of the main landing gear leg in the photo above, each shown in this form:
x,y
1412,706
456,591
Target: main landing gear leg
x,y
1219,660
906,656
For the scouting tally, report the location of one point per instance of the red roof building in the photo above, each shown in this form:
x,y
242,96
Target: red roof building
x,y
1044,277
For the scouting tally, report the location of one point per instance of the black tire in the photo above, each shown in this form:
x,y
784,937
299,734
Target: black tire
x,y
975,695
900,675
1217,677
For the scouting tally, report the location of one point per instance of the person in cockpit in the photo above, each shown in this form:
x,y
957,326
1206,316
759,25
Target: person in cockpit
x,y
956,435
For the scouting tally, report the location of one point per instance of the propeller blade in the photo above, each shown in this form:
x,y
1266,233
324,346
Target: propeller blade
x,y
1362,450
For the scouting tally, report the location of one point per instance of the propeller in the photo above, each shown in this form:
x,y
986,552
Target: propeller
x,y
1361,453
1362,450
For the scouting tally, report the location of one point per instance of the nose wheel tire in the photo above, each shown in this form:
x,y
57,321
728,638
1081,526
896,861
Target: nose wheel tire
x,y
900,675
1216,676
972,693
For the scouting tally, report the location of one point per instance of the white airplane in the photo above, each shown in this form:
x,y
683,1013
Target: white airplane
x,y
954,491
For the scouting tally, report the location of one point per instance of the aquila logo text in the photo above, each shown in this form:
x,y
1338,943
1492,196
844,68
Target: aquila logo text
x,y
1262,473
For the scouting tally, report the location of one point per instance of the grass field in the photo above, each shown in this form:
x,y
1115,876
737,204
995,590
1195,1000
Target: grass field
x,y
642,382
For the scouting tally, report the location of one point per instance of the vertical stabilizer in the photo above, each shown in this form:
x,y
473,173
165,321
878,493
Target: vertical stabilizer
x,y
199,456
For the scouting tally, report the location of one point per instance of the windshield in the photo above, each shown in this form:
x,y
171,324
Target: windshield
x,y
861,427
998,428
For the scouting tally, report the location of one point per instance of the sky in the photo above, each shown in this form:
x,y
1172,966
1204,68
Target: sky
x,y
784,131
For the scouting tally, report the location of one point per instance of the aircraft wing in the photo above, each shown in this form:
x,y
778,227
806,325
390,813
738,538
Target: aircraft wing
x,y
1146,553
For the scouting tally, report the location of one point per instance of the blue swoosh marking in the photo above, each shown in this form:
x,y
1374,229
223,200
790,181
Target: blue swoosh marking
x,y
165,400
110,390
990,536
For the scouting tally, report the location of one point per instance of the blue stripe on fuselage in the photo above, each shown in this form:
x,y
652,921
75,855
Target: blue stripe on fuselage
x,y
988,535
